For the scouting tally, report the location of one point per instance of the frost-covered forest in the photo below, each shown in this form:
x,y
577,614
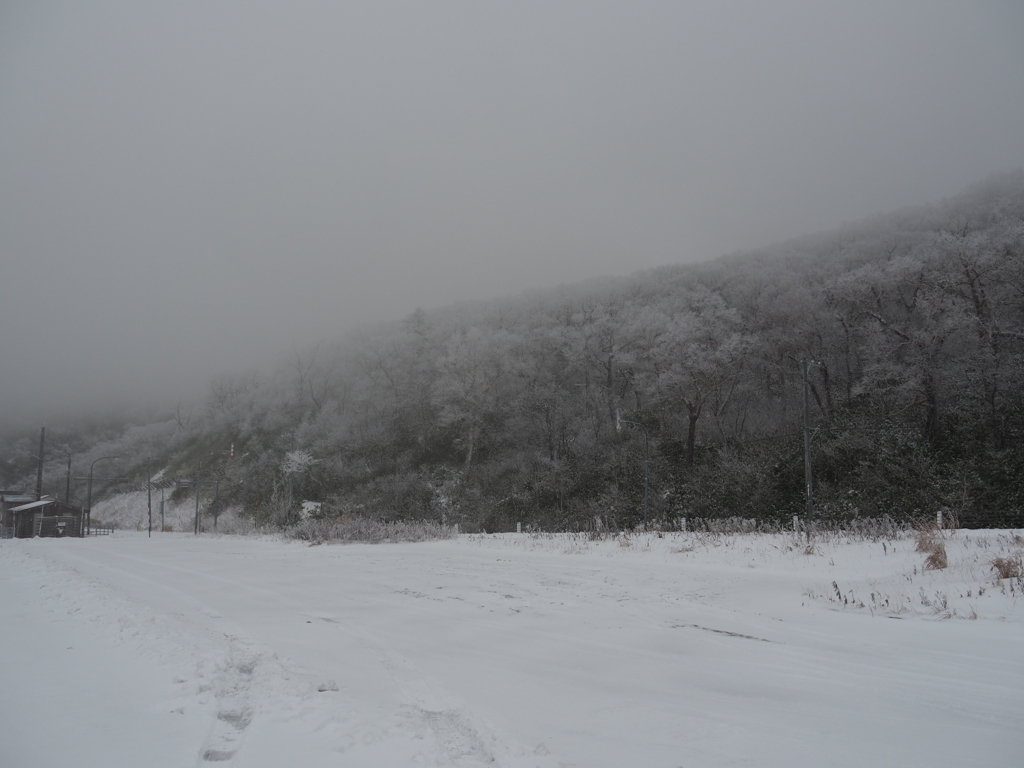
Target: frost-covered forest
x,y
498,413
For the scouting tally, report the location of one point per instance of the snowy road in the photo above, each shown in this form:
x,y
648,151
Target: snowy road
x,y
509,651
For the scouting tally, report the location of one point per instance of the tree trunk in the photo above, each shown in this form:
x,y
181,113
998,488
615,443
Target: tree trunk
x,y
931,414
693,410
469,449
609,387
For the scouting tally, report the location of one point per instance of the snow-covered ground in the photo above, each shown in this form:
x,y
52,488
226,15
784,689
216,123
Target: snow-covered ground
x,y
509,650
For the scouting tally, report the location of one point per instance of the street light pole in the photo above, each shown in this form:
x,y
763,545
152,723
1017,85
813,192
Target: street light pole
x,y
88,504
619,421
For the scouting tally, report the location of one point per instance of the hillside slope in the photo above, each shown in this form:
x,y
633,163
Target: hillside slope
x,y
911,326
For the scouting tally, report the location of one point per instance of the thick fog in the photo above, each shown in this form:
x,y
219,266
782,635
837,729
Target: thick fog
x,y
193,188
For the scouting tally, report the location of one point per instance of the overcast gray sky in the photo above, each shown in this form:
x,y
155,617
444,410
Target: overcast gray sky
x,y
191,188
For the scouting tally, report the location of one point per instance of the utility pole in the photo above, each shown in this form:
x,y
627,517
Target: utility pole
x,y
216,502
39,467
67,490
149,498
161,509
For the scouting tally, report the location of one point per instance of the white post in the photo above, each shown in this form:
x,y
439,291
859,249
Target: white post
x,y
684,525
796,523
938,519
519,527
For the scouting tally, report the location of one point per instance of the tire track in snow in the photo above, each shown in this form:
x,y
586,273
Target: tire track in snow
x,y
459,739
223,665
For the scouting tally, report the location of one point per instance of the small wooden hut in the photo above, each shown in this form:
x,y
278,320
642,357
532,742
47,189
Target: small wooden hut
x,y
24,516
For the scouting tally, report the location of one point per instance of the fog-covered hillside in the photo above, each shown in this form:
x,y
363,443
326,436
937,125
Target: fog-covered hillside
x,y
495,413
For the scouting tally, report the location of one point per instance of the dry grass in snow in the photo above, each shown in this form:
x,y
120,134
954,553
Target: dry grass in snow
x,y
927,572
